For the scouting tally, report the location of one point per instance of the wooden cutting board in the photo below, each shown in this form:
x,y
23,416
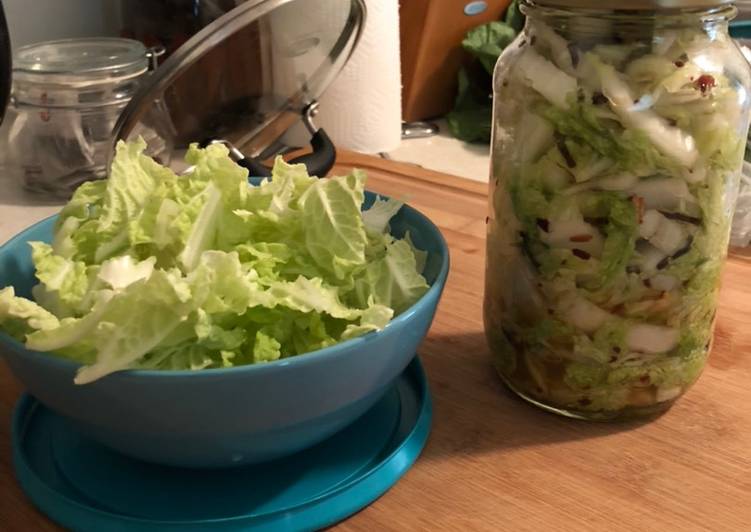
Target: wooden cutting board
x,y
493,462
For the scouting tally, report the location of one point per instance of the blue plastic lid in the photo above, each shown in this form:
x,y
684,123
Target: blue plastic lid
x,y
84,486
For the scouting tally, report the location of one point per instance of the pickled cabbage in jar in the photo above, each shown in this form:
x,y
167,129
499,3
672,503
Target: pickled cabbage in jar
x,y
615,170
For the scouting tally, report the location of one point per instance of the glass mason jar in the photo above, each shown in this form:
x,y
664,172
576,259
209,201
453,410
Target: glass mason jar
x,y
618,137
65,100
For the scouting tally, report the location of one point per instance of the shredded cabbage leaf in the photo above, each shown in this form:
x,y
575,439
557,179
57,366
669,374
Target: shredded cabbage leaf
x,y
149,269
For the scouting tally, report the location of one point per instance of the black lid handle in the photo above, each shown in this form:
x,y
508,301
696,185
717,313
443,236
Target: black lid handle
x,y
318,162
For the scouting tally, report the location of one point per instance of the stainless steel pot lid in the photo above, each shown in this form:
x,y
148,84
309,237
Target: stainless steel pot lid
x,y
248,75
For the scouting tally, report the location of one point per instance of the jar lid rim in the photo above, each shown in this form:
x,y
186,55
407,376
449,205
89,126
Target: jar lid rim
x,y
80,57
654,5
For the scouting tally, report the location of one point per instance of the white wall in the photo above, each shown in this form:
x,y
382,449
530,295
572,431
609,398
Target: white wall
x,y
32,21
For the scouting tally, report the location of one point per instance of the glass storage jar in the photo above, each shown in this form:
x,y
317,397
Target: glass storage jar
x,y
65,100
618,137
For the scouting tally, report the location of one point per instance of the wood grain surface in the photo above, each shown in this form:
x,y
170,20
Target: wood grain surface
x,y
493,462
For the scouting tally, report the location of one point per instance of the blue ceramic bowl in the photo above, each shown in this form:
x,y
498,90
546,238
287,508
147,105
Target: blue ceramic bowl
x,y
227,417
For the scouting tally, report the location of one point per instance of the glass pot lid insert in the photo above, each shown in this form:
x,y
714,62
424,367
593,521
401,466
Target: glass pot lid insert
x,y
247,76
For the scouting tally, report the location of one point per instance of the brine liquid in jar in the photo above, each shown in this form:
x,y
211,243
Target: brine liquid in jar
x,y
618,138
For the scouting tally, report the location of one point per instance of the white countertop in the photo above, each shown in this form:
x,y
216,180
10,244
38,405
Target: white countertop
x,y
19,209
444,153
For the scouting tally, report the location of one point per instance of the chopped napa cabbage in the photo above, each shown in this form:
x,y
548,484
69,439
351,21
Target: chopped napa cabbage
x,y
20,317
610,338
376,218
64,283
538,137
392,280
621,230
622,208
121,272
671,141
333,226
720,143
615,54
666,194
545,333
582,313
682,368
646,338
205,271
546,78
556,45
585,375
663,372
629,149
699,297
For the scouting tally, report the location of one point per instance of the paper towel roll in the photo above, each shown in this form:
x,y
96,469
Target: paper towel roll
x,y
362,109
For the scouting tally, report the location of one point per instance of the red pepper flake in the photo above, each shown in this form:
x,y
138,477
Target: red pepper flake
x,y
45,114
543,224
616,349
581,254
680,64
647,283
638,202
581,238
644,379
487,220
705,82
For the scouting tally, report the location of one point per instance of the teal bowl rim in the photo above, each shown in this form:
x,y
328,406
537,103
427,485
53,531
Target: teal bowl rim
x,y
305,359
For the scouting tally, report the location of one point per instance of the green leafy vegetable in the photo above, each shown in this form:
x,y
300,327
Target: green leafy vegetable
x,y
470,118
514,16
332,224
392,280
376,218
154,270
486,42
20,316
64,282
